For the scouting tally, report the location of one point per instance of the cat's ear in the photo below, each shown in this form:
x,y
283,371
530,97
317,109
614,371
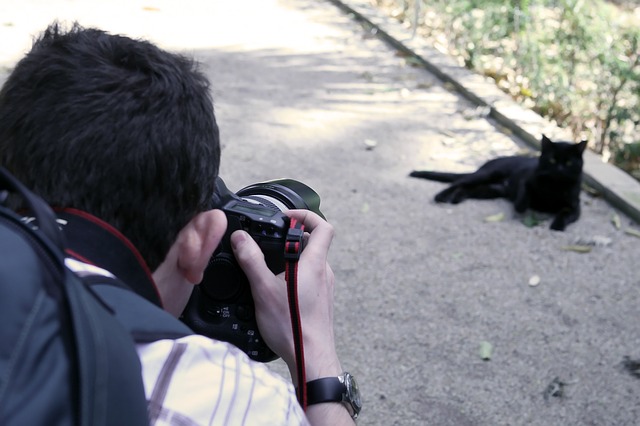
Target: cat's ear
x,y
582,145
546,142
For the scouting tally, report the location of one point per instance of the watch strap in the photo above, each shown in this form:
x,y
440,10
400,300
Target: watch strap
x,y
327,389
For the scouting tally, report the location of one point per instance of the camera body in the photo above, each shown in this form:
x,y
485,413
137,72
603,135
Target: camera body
x,y
221,306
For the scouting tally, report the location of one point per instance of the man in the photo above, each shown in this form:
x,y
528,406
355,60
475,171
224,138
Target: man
x,y
120,137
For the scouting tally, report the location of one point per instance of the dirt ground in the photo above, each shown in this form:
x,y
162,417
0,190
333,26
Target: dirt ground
x,y
424,291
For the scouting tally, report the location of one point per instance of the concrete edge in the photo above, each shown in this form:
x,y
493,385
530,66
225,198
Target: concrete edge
x,y
618,188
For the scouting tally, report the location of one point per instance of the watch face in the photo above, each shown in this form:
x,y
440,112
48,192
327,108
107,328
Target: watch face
x,y
353,392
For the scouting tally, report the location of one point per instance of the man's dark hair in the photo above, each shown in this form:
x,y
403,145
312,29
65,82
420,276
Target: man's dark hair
x,y
115,127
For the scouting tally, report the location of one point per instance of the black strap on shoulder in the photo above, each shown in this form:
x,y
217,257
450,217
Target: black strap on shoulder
x,y
145,321
103,366
36,206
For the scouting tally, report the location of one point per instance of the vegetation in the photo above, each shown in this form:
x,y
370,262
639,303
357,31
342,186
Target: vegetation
x,y
576,62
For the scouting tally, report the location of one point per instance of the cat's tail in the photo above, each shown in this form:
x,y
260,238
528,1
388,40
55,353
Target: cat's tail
x,y
437,176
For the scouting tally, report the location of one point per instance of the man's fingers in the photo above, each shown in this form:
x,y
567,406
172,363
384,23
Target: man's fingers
x,y
321,232
310,219
249,257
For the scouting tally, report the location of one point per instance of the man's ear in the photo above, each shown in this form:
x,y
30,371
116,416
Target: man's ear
x,y
197,241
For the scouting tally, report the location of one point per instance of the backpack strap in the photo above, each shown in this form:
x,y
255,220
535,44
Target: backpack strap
x,y
65,359
42,212
145,321
111,388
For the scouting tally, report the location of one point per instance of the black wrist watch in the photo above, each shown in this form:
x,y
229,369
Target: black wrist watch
x,y
343,388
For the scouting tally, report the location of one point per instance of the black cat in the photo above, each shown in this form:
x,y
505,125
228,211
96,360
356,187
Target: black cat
x,y
550,183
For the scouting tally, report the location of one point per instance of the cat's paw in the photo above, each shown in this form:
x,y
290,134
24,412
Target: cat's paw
x,y
558,225
458,198
449,195
442,196
521,204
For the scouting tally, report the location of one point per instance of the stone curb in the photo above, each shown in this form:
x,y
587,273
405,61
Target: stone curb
x,y
617,187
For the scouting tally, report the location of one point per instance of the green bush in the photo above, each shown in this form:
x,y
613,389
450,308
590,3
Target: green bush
x,y
576,62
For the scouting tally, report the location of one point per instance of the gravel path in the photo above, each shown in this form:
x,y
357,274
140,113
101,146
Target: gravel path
x,y
303,91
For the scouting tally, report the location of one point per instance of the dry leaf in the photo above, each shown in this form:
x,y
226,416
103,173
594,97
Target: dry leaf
x,y
505,130
449,86
596,240
590,190
631,231
485,350
448,133
531,220
498,217
402,54
367,76
424,86
577,248
370,144
615,219
413,61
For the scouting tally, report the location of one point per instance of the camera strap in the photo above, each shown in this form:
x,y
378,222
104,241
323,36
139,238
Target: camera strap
x,y
292,250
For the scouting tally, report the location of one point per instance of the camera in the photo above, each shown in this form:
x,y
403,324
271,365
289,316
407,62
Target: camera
x,y
221,306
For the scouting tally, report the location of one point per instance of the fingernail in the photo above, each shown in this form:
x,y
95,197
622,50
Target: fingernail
x,y
238,239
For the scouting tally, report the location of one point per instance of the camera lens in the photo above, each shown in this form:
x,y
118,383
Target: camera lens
x,y
284,194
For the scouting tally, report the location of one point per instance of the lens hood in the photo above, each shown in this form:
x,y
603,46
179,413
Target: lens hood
x,y
291,193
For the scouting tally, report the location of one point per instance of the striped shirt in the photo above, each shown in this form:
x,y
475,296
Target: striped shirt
x,y
198,381
195,380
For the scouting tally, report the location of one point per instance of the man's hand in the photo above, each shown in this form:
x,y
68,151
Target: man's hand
x,y
315,300
315,297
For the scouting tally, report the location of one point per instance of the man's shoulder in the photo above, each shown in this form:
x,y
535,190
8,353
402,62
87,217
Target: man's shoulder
x,y
212,357
145,321
201,378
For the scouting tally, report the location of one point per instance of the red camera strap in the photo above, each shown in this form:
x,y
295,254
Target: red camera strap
x,y
292,250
